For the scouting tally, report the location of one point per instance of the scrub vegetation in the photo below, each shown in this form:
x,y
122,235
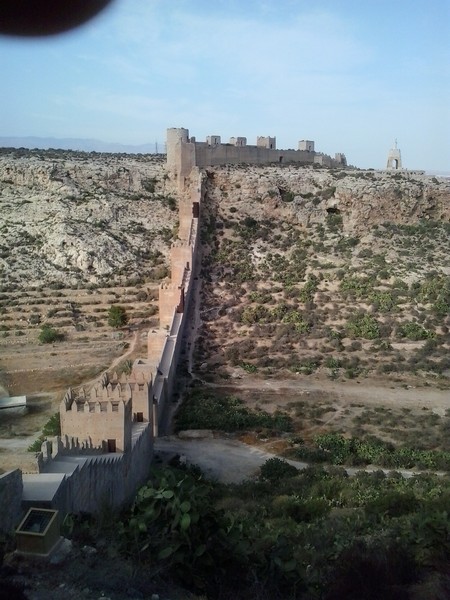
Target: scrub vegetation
x,y
311,534
283,297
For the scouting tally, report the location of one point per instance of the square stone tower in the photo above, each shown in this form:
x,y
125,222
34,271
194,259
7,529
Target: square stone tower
x,y
307,145
266,142
238,141
213,140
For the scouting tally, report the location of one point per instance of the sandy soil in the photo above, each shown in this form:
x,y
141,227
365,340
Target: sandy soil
x,y
370,391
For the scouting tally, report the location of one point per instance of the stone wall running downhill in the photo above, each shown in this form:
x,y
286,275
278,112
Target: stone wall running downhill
x,y
164,381
76,475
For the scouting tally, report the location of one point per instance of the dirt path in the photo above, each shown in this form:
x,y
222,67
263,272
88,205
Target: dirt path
x,y
364,391
117,360
130,351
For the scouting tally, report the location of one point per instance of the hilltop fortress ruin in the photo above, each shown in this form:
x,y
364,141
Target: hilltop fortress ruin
x,y
184,152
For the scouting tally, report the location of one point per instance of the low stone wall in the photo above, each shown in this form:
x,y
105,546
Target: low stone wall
x,y
11,488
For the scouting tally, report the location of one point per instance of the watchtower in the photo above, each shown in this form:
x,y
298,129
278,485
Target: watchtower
x,y
266,142
307,145
394,161
180,153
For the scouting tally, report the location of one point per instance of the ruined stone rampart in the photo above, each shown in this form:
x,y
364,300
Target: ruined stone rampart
x,y
174,297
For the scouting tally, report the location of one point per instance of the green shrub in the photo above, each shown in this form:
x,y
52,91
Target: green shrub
x,y
392,503
308,510
334,222
275,469
35,319
49,334
170,202
203,410
117,316
333,363
328,193
50,429
149,185
287,196
53,426
414,331
360,287
364,326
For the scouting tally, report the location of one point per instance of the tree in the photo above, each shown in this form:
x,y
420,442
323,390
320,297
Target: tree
x,y
49,335
117,316
275,469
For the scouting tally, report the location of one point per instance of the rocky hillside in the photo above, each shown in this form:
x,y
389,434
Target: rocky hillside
x,y
74,217
69,218
340,273
363,198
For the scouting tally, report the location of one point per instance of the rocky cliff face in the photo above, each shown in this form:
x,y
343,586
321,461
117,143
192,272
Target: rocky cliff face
x,y
74,217
362,198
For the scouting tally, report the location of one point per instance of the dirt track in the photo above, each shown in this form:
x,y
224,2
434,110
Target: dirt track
x,y
367,391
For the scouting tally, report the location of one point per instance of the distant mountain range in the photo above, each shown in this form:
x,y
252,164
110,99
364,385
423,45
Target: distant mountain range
x,y
84,145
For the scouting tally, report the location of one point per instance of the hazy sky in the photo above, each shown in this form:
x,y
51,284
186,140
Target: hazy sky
x,y
352,75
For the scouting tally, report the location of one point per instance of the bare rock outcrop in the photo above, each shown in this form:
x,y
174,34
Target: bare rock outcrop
x,y
74,217
309,195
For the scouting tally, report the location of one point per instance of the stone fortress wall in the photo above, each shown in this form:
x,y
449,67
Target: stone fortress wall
x,y
11,490
106,447
184,153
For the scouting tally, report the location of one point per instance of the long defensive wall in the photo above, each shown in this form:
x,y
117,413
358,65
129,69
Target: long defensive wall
x,y
106,447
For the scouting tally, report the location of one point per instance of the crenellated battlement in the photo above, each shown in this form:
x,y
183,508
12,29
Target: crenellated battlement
x,y
104,406
184,153
102,415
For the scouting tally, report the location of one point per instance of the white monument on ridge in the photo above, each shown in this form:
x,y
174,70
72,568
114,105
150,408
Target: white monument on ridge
x,y
394,161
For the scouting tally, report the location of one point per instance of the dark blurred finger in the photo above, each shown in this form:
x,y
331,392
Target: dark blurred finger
x,y
46,17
